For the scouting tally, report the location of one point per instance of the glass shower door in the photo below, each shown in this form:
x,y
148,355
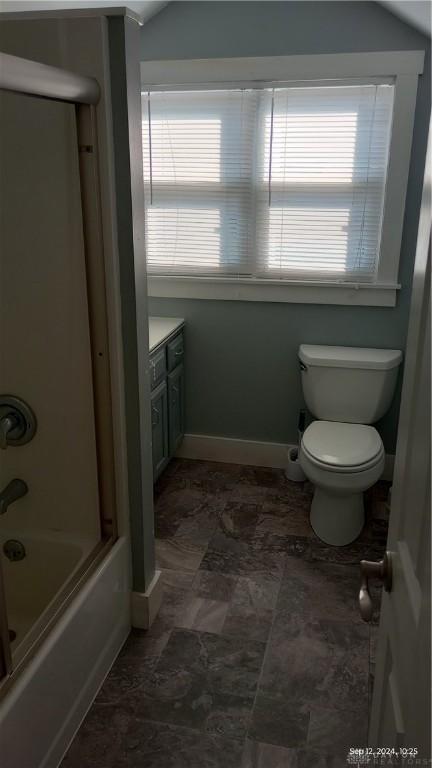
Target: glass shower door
x,y
51,525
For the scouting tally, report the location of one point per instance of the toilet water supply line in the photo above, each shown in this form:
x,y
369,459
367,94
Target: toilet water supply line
x,y
301,426
294,471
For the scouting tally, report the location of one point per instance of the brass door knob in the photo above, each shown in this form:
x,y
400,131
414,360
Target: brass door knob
x,y
381,570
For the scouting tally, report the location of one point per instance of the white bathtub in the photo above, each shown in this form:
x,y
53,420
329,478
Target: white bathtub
x,y
43,709
33,583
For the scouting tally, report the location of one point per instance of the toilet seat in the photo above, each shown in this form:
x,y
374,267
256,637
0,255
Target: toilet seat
x,y
340,447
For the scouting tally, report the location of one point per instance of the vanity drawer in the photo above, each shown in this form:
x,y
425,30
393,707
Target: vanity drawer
x,y
175,352
157,368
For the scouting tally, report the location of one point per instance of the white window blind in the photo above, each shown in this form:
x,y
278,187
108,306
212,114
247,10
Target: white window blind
x,y
283,183
198,158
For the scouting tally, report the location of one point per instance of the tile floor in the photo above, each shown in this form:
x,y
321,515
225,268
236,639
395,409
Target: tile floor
x,y
258,658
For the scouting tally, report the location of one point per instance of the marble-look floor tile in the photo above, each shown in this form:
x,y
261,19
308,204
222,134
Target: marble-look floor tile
x,y
178,554
129,673
169,479
202,614
237,557
199,677
177,504
214,586
335,730
239,561
279,722
256,494
156,745
253,627
165,527
212,476
250,613
177,580
261,755
284,519
149,642
239,519
229,664
176,593
317,661
187,698
230,716
262,476
321,589
362,549
98,742
200,528
286,544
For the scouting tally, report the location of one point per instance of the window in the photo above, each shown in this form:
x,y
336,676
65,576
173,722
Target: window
x,y
277,183
322,181
198,158
283,182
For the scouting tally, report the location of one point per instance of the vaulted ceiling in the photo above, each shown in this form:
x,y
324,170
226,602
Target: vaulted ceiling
x,y
418,14
143,8
415,12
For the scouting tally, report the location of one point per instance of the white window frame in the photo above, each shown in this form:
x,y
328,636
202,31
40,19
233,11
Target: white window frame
x,y
403,67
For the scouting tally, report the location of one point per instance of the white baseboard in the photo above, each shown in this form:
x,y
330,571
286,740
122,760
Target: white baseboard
x,y
233,451
252,452
145,605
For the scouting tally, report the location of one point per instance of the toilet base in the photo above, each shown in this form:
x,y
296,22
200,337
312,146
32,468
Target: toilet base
x,y
337,519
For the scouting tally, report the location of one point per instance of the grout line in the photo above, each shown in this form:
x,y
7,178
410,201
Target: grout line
x,y
266,648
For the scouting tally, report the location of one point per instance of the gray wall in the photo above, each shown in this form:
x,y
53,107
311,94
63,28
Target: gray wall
x,y
242,377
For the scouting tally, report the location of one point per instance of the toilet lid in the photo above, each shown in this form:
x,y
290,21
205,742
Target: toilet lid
x,y
341,445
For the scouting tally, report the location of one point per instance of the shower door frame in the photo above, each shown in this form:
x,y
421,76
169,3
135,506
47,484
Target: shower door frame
x,y
32,78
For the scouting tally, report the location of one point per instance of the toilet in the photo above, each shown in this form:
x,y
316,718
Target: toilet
x,y
346,389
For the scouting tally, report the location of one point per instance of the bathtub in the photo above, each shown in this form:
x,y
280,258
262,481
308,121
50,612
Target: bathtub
x,y
33,583
44,707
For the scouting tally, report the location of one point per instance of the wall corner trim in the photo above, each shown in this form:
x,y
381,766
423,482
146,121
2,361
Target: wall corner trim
x,y
145,605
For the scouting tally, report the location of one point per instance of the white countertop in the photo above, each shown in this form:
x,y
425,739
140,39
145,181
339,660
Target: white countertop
x,y
160,328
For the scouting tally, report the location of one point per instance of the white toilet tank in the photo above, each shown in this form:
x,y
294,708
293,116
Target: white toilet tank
x,y
348,384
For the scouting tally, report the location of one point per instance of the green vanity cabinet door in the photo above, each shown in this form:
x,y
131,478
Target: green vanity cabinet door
x,y
157,367
176,408
175,352
159,416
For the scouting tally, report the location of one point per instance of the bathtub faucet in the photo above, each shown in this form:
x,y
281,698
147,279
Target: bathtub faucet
x,y
13,491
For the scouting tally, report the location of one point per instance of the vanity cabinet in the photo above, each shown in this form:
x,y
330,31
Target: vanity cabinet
x,y
160,439
167,400
175,408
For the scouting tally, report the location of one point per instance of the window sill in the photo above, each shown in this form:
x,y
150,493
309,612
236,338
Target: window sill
x,y
295,291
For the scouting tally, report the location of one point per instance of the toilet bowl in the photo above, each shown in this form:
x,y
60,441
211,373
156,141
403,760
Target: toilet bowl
x,y
342,461
346,389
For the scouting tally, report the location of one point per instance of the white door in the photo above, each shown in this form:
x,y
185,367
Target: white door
x,y
401,716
